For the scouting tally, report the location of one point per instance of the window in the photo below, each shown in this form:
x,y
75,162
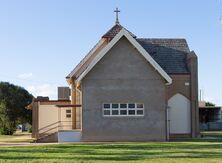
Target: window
x,y
139,105
139,112
131,105
68,113
123,105
106,112
106,105
123,112
115,106
131,112
123,109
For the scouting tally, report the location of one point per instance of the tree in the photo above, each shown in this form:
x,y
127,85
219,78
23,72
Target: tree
x,y
13,100
209,104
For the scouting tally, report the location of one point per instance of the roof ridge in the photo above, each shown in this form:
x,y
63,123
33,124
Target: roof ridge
x,y
115,30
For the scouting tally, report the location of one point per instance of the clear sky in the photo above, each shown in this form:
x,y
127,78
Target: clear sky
x,y
41,41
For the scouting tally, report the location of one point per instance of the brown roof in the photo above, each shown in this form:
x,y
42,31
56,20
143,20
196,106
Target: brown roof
x,y
170,54
114,31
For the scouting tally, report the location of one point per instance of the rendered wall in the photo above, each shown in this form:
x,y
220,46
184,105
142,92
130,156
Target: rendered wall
x,y
48,118
122,76
52,118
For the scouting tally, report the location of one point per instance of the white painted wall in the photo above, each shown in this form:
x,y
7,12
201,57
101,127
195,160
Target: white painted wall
x,y
69,136
179,115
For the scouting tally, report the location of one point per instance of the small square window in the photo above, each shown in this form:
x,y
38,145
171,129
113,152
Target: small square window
x,y
132,112
106,112
68,111
106,106
115,112
123,112
139,105
131,105
68,115
123,105
115,106
139,112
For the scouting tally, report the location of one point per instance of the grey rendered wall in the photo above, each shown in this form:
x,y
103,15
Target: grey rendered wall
x,y
123,76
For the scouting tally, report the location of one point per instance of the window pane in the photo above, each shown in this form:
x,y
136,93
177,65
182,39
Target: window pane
x,y
106,112
123,112
68,111
139,112
139,105
131,105
106,106
115,106
68,115
115,112
123,106
132,112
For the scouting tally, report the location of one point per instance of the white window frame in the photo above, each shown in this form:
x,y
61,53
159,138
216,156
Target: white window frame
x,y
119,109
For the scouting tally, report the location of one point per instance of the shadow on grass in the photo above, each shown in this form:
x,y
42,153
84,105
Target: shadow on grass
x,y
127,156
115,152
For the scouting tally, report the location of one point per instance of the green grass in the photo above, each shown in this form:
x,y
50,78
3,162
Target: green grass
x,y
16,138
197,150
204,151
216,134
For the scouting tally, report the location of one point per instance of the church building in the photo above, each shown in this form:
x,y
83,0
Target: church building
x,y
128,89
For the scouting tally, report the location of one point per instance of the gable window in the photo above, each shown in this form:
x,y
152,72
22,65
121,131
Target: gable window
x,y
123,109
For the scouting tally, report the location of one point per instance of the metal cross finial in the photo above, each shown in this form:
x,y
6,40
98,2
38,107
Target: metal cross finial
x,y
117,15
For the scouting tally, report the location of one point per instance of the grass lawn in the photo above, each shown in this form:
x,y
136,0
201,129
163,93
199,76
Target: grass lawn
x,y
216,134
197,151
16,138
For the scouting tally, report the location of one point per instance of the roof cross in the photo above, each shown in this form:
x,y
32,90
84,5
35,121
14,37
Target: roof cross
x,y
117,15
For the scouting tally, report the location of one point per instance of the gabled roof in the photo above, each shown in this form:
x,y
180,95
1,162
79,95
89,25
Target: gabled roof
x,y
170,54
115,30
133,41
85,59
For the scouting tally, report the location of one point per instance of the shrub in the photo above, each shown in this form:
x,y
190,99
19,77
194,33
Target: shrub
x,y
7,129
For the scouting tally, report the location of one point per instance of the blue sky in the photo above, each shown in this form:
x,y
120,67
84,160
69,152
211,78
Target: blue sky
x,y
41,41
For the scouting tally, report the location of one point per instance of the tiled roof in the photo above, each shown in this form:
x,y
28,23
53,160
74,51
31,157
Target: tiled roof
x,y
114,31
170,54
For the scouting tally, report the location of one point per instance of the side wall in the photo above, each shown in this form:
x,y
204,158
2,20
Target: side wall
x,y
48,119
193,67
35,120
52,118
190,91
181,85
123,76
